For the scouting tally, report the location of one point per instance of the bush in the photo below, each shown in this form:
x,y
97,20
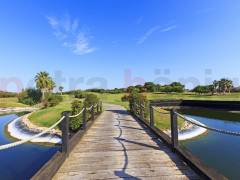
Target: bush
x,y
30,96
52,100
125,98
76,123
90,99
141,100
79,94
7,94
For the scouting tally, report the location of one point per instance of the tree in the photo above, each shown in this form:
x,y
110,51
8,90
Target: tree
x,y
150,86
201,89
52,85
61,89
225,85
44,82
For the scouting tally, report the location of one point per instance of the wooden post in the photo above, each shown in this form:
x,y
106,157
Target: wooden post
x,y
101,107
84,118
97,107
65,132
151,116
141,112
92,113
174,129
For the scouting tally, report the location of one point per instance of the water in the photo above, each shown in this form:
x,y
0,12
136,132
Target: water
x,y
24,161
219,151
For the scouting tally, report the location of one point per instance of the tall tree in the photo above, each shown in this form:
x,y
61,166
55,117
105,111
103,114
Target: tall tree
x,y
61,89
44,82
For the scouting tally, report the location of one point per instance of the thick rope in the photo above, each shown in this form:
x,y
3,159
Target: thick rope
x,y
90,107
73,116
7,146
208,128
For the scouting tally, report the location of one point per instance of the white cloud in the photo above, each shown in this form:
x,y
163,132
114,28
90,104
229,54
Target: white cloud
x,y
153,30
169,28
69,33
147,34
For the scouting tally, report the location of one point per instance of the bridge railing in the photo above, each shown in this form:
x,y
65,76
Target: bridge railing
x,y
69,139
165,124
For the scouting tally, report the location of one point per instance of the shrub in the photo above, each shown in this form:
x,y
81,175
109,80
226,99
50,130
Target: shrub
x,y
125,98
76,123
79,94
90,99
52,100
30,96
7,94
141,100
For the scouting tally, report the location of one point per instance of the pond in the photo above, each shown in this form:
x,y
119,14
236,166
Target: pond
x,y
23,161
219,151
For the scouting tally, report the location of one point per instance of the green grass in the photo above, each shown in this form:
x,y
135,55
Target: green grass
x,y
10,102
116,98
47,117
162,121
113,99
193,96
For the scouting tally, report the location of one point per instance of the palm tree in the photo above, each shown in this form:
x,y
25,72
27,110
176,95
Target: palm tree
x,y
229,84
215,86
51,85
44,82
61,89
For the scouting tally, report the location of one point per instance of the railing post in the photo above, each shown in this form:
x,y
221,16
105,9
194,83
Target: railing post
x,y
84,117
141,111
65,132
135,109
92,113
174,129
97,107
151,116
101,107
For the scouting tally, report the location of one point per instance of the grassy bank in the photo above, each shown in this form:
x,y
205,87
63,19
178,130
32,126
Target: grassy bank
x,y
162,121
10,102
47,117
116,98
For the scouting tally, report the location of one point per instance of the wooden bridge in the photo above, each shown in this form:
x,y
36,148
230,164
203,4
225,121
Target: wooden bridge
x,y
117,146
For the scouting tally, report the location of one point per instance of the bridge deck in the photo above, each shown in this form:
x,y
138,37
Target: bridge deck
x,y
118,147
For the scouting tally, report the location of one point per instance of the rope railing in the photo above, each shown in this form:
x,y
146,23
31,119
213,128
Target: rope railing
x,y
10,145
7,146
90,107
234,133
73,116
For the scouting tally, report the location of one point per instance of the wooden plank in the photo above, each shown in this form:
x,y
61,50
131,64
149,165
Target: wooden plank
x,y
118,147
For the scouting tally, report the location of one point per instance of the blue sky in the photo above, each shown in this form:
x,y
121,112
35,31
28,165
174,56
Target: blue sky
x,y
115,43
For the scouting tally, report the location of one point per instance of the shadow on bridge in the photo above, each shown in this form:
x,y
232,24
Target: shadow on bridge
x,y
160,145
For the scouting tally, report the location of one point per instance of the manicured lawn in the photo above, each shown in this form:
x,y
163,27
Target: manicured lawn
x,y
113,99
47,117
116,98
162,121
192,96
10,102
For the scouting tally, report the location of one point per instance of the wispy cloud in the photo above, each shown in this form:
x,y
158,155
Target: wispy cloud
x,y
154,29
70,34
169,28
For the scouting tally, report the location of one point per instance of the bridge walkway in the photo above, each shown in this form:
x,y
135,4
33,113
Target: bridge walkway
x,y
119,147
